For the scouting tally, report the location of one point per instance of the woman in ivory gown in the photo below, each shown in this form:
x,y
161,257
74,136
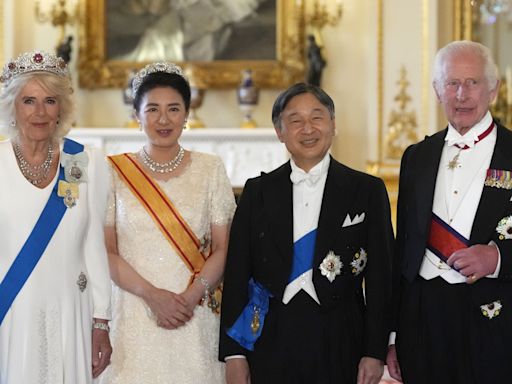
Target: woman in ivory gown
x,y
166,232
54,279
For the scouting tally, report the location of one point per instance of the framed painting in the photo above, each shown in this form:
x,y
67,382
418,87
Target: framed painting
x,y
214,39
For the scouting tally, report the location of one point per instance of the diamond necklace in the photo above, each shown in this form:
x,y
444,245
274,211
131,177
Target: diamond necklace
x,y
162,167
33,173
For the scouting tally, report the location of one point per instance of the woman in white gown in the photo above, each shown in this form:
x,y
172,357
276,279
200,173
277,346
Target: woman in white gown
x,y
54,278
167,229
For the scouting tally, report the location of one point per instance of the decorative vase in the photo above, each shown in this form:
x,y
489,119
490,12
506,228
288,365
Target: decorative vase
x,y
248,96
196,99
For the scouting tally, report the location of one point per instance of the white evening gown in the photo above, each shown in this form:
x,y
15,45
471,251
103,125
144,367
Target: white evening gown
x,y
45,337
143,352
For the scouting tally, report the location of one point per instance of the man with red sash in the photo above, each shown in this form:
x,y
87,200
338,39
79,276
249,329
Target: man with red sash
x,y
453,296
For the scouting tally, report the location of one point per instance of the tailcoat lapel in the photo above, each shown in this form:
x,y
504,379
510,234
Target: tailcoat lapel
x,y
493,200
278,207
428,162
339,193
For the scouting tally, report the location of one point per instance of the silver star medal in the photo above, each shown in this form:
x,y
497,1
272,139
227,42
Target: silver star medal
x,y
331,266
491,310
359,261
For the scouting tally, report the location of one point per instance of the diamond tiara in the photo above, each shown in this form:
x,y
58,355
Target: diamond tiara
x,y
153,68
35,61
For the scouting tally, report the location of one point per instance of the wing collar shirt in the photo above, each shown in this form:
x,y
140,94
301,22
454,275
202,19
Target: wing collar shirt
x,y
308,191
459,186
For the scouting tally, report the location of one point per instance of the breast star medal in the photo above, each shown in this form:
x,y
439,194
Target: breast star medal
x,y
331,266
491,310
454,163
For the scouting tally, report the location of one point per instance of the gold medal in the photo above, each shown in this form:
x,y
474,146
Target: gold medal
x,y
255,323
454,163
69,193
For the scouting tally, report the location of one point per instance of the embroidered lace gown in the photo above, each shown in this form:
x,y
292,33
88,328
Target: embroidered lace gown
x,y
143,352
45,337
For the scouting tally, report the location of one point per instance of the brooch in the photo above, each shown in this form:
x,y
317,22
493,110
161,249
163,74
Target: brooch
x,y
82,282
491,310
359,261
504,228
74,173
331,266
69,192
498,178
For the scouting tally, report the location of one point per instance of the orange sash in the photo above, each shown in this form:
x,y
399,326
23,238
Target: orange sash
x,y
162,211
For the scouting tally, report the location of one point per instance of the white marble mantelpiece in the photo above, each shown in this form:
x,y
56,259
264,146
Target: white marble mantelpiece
x,y
245,152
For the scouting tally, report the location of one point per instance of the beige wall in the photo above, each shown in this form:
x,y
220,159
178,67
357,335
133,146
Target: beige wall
x,y
351,75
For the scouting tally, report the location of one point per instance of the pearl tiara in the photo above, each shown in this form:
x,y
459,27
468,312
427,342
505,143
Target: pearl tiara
x,y
153,68
35,61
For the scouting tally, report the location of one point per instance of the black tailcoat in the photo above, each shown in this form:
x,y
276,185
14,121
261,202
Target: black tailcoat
x,y
347,325
487,341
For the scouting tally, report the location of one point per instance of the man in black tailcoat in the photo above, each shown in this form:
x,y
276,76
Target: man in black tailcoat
x,y
453,297
304,238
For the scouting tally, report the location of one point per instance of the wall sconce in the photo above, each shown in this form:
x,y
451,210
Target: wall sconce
x,y
315,20
319,16
58,16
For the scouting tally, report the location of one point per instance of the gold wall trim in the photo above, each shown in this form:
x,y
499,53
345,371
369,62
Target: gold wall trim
x,y
380,80
2,27
462,28
425,58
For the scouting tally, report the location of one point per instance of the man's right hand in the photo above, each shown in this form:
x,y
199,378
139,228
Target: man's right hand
x,y
237,371
392,363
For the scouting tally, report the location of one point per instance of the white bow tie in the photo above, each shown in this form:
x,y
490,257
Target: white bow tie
x,y
311,178
462,141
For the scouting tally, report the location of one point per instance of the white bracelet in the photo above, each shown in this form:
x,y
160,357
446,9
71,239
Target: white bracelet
x,y
102,326
206,285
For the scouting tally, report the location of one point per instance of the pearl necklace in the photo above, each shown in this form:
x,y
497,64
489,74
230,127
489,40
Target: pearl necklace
x,y
161,167
33,173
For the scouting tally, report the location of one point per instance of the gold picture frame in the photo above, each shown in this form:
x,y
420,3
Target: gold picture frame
x,y
96,70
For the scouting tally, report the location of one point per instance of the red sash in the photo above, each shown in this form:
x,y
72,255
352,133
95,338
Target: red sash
x,y
162,211
443,240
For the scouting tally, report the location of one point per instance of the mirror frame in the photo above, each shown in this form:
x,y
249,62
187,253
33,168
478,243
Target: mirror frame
x,y
95,70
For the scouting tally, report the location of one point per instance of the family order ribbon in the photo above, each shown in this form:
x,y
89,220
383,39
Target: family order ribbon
x,y
247,328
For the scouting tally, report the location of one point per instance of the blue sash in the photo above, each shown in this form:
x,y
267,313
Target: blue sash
x,y
303,252
241,331
37,241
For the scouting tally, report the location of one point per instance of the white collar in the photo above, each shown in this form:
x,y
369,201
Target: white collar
x,y
471,137
298,174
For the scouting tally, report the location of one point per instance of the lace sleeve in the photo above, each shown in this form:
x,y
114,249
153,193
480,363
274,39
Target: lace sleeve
x,y
222,200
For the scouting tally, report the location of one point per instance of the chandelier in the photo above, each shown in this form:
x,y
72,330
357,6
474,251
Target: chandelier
x,y
490,10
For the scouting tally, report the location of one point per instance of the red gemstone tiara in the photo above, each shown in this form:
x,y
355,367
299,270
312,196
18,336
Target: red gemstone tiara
x,y
35,61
